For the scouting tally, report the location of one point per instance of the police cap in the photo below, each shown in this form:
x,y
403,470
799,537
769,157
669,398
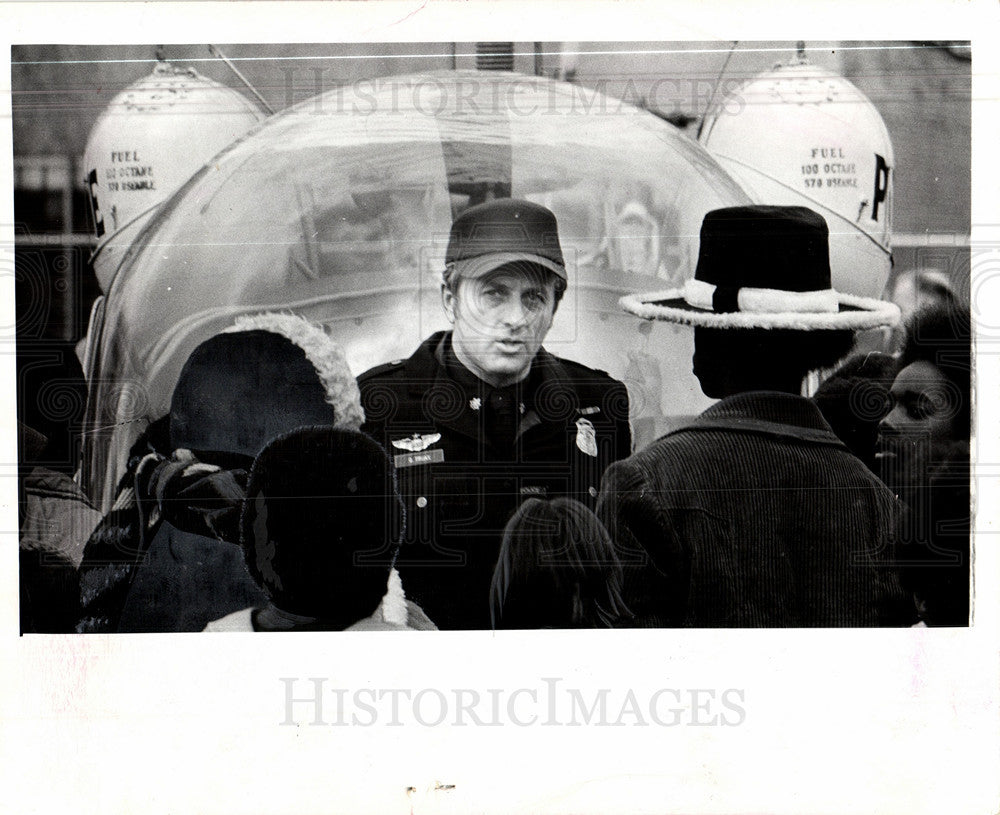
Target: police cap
x,y
508,230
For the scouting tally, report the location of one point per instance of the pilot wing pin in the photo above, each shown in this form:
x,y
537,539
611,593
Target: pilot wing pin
x,y
416,442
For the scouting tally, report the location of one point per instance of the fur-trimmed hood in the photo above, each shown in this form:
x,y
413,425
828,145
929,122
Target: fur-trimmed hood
x,y
325,354
212,416
258,379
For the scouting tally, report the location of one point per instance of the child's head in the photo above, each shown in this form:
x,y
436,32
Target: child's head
x,y
557,569
265,375
320,528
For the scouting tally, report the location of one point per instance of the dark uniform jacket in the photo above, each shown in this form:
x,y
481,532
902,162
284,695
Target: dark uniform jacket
x,y
467,454
755,514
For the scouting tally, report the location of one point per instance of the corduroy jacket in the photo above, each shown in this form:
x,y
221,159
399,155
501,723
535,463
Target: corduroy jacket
x,y
753,515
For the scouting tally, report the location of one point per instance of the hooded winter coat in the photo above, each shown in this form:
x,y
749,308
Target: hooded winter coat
x,y
167,556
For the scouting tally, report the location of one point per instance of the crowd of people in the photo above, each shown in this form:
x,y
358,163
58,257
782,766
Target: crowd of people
x,y
486,483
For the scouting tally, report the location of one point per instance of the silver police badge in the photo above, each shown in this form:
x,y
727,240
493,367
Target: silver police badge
x,y
586,437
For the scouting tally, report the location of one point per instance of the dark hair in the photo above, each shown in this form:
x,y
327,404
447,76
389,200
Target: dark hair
x,y
557,569
928,283
320,503
855,398
925,281
942,336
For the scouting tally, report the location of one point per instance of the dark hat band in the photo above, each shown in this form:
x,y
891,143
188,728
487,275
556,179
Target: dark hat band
x,y
726,299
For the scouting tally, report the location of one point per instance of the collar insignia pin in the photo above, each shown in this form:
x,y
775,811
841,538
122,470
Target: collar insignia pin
x,y
475,403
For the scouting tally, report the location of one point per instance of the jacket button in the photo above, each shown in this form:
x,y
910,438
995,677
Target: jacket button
x,y
593,492
421,502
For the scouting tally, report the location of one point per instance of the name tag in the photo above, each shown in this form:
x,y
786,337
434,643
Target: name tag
x,y
541,491
413,459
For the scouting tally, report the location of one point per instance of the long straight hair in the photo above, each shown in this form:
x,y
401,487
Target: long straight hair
x,y
557,568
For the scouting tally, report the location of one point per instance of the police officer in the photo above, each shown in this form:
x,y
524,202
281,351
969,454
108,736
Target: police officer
x,y
482,417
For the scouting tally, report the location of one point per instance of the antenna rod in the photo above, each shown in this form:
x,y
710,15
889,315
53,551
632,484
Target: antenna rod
x,y
715,90
215,52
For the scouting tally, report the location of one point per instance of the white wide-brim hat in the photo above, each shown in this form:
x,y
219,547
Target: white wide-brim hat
x,y
763,308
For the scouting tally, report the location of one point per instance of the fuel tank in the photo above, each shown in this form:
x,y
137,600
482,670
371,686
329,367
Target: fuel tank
x,y
149,140
803,135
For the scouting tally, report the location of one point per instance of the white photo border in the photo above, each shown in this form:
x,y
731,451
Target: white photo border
x,y
852,721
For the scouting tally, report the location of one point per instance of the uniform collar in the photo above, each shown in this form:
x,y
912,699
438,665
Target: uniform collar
x,y
474,386
769,412
427,370
445,354
428,363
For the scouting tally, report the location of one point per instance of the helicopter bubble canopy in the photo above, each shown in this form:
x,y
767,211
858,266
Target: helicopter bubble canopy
x,y
339,209
802,135
147,142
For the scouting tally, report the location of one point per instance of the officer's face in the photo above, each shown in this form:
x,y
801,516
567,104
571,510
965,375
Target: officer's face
x,y
500,321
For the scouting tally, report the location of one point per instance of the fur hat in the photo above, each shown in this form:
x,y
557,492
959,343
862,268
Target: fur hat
x,y
260,378
763,267
321,523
